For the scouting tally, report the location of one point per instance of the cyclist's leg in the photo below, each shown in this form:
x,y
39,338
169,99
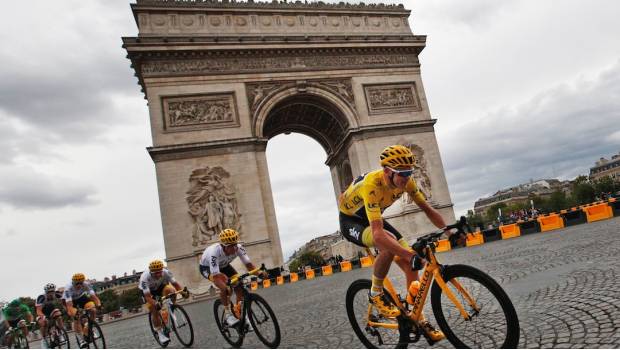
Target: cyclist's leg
x,y
148,300
404,265
169,289
42,322
56,317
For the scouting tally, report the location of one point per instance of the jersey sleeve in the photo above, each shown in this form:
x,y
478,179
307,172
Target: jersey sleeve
x,y
372,202
211,258
40,300
67,294
89,289
143,284
169,276
414,192
243,255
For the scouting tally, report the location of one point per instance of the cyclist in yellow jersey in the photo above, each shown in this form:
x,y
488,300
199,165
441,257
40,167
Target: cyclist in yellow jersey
x,y
361,206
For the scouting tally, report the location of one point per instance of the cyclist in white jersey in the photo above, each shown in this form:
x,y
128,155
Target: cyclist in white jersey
x,y
215,266
80,294
158,281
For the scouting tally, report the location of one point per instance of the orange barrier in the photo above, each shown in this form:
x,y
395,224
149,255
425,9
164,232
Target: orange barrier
x,y
294,277
345,266
326,270
550,222
366,261
253,285
266,283
309,274
598,212
443,245
510,231
280,280
474,239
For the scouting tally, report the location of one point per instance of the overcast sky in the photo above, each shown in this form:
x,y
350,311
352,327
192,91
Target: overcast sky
x,y
521,90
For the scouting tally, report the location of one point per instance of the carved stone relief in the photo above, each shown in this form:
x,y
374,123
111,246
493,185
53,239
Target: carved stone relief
x,y
199,112
260,91
392,98
212,204
275,62
420,173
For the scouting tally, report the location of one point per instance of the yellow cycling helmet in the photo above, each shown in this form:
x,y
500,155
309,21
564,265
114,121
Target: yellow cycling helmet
x,y
229,236
156,265
78,278
397,157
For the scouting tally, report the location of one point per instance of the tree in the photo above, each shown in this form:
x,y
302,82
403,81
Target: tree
x,y
474,220
557,201
109,300
131,298
604,185
493,212
312,258
28,301
583,192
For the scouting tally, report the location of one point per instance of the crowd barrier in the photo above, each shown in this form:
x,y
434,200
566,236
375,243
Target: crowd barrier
x,y
366,261
598,212
475,238
510,231
573,216
309,274
615,206
528,226
550,222
443,245
345,266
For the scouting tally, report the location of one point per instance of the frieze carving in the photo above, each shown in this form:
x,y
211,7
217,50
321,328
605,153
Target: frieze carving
x,y
273,4
212,204
260,91
309,60
199,111
420,173
392,98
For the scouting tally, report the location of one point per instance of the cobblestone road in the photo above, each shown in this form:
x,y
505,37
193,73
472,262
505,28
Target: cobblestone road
x,y
564,285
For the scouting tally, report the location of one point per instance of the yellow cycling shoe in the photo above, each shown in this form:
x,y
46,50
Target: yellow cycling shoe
x,y
432,333
384,306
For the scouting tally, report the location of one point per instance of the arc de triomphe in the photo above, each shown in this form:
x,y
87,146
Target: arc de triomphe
x,y
223,77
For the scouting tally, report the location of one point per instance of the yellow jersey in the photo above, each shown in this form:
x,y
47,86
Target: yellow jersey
x,y
369,195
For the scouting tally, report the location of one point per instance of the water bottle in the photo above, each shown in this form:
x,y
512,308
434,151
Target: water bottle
x,y
414,287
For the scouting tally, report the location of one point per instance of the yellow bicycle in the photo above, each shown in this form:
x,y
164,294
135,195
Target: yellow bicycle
x,y
471,308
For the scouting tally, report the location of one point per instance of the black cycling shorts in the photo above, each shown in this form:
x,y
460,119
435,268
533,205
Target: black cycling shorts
x,y
228,270
352,228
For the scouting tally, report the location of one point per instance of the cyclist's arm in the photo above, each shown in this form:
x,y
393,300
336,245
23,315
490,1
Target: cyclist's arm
x,y
432,214
96,299
177,285
39,310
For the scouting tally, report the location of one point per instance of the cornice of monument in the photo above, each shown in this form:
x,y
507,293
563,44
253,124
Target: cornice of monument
x,y
209,148
272,5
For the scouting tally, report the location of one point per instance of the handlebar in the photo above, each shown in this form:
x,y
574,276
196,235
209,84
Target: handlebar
x,y
184,290
423,242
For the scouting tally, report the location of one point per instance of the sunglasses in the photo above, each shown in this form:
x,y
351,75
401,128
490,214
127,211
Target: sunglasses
x,y
402,173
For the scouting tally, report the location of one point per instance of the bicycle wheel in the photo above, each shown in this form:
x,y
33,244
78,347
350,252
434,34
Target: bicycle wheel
x,y
264,321
182,325
58,338
95,335
358,307
494,325
20,341
234,335
154,332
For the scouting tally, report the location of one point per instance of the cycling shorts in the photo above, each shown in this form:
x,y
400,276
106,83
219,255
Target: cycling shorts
x,y
357,231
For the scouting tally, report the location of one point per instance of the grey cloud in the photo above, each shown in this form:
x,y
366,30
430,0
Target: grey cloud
x,y
24,188
558,133
64,83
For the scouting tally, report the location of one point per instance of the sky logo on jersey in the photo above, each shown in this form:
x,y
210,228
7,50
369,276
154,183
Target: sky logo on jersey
x,y
213,261
354,233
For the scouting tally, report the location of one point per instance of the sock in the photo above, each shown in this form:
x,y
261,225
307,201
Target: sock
x,y
377,286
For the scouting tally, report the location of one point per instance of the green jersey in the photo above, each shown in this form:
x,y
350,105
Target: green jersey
x,y
16,313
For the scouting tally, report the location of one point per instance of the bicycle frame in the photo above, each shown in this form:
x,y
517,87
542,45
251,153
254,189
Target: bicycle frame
x,y
430,272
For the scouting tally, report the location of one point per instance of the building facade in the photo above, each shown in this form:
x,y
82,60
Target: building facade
x,y
604,167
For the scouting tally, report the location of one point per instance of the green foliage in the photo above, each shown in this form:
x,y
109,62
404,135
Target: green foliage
x,y
311,258
606,185
583,192
474,220
131,298
492,213
109,300
557,202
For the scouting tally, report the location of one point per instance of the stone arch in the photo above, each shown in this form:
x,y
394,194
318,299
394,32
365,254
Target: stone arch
x,y
340,109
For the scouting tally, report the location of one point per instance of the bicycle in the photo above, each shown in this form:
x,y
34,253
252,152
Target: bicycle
x,y
169,310
461,298
20,341
57,337
262,319
94,335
